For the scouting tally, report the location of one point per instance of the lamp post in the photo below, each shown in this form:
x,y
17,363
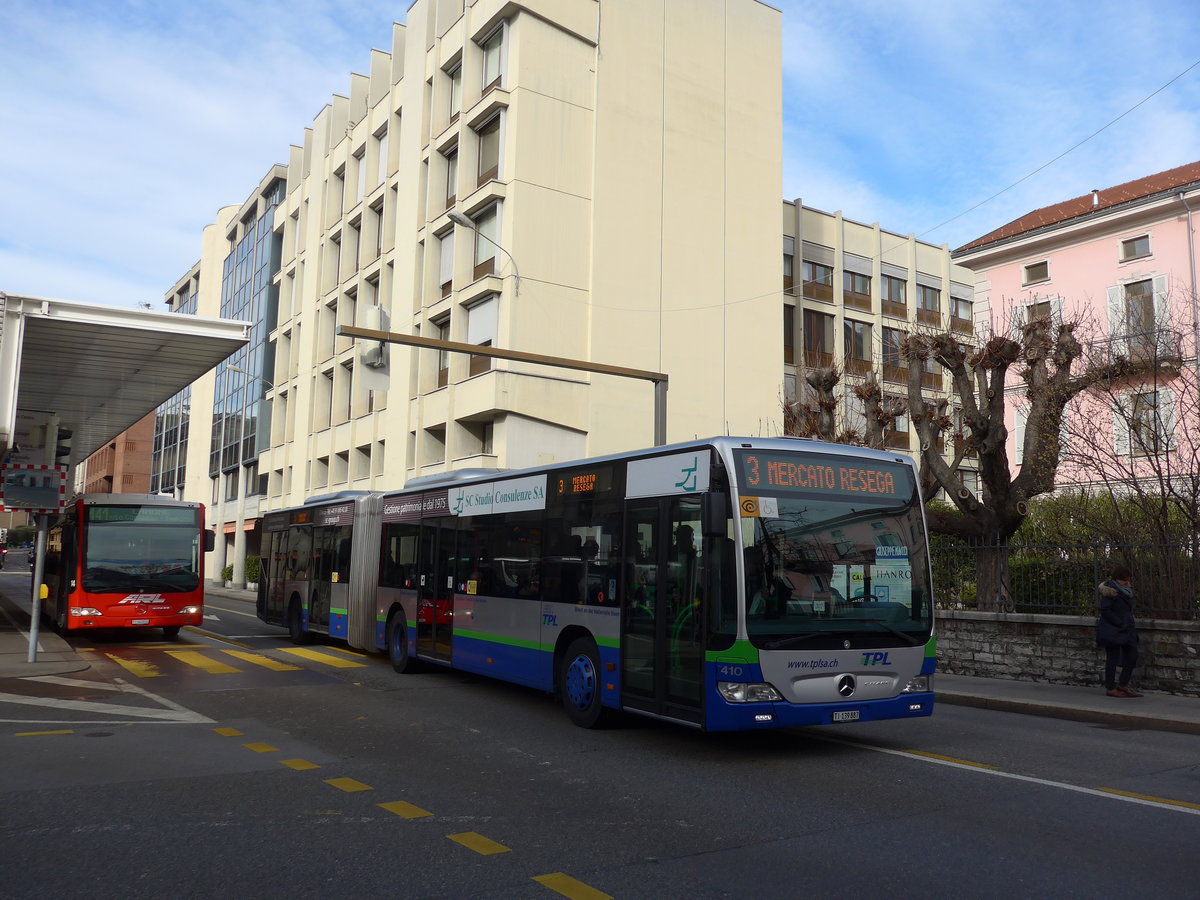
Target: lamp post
x,y
467,222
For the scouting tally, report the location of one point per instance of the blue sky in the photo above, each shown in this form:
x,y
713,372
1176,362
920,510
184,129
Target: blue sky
x,y
128,123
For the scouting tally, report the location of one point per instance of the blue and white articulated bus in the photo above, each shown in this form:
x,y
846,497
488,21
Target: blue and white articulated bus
x,y
726,584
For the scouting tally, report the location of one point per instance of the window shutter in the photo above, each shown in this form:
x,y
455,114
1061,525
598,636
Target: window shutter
x,y
1056,310
1166,416
1162,315
481,321
1022,417
1117,326
1121,425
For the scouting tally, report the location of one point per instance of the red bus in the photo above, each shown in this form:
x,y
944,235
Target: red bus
x,y
127,561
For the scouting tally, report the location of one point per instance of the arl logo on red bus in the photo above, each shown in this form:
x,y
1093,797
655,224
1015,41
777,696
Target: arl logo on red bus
x,y
143,598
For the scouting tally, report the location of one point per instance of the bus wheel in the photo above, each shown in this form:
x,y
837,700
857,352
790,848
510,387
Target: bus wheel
x,y
579,683
397,645
171,632
295,623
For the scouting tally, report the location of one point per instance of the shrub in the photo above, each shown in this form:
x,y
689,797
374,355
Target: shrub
x,y
227,573
253,569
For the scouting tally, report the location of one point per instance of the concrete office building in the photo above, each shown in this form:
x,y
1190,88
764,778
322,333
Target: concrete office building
x,y
613,168
852,291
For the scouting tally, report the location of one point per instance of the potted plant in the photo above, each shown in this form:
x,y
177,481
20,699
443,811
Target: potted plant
x,y
253,572
227,576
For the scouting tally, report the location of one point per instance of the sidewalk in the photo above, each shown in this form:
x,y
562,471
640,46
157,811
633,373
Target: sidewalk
x,y
1162,712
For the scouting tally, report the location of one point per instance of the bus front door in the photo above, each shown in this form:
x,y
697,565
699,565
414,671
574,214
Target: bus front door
x,y
324,555
662,640
435,593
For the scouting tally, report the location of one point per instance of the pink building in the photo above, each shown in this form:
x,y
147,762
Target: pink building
x,y
1124,259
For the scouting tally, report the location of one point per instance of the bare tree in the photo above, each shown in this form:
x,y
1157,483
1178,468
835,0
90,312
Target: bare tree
x,y
1051,366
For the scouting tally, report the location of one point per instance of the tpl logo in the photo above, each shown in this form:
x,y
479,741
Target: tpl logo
x,y
548,619
875,659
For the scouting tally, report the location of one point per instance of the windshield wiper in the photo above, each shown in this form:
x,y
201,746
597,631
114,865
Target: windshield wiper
x,y
794,641
896,631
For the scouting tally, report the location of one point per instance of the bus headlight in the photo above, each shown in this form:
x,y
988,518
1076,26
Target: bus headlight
x,y
741,692
84,611
921,684
190,611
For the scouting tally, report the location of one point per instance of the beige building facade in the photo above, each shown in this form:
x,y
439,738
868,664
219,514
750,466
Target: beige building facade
x,y
851,293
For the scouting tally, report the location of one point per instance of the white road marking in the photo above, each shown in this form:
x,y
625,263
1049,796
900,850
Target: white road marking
x,y
1045,782
169,713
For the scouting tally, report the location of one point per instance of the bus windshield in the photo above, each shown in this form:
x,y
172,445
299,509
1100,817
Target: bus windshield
x,y
834,556
141,548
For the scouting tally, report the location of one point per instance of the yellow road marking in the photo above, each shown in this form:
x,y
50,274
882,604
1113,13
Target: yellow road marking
x,y
136,666
349,652
265,661
227,732
569,887
318,656
39,733
406,810
300,765
349,785
477,842
259,747
961,762
1182,803
200,661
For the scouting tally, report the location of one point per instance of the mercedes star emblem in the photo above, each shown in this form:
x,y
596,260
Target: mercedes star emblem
x,y
845,685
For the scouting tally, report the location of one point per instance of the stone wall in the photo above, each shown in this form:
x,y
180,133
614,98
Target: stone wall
x,y
1062,650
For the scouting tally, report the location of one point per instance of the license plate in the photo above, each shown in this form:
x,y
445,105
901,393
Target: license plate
x,y
147,622
846,715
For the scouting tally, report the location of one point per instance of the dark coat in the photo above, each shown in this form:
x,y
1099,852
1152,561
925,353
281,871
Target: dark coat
x,y
1116,625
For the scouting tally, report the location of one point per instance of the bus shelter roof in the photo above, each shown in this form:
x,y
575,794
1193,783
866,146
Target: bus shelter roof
x,y
99,369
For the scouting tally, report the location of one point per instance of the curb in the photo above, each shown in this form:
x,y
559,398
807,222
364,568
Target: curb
x,y
1073,713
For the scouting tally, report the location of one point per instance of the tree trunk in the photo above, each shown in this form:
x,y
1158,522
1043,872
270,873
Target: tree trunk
x,y
991,578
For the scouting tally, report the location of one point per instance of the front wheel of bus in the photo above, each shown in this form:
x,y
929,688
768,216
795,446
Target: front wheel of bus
x,y
579,682
397,645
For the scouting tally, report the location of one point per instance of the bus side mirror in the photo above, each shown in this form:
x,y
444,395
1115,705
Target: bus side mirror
x,y
714,513
210,541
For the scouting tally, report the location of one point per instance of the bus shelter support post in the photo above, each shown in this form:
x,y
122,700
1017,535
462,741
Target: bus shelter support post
x,y
39,572
660,413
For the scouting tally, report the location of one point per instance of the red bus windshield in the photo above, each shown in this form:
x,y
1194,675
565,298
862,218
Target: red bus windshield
x,y
141,548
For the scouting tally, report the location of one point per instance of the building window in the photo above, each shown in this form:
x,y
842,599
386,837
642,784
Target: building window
x,y
962,313
489,150
442,333
451,176
455,76
446,262
818,339
1144,422
789,263
487,236
894,292
893,363
1138,317
856,290
789,334
929,304
818,281
381,154
1035,272
858,346
1135,247
493,59
482,320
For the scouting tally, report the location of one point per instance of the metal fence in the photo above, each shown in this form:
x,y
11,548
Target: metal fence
x,y
1063,579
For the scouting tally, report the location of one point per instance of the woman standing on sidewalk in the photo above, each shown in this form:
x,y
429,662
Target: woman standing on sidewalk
x,y
1116,632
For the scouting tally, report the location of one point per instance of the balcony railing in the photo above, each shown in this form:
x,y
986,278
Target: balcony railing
x,y
815,290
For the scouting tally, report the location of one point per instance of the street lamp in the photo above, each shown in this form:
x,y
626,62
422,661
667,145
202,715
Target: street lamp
x,y
466,222
230,367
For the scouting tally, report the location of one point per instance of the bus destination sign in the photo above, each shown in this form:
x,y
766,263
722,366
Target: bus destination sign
x,y
143,515
584,481
805,473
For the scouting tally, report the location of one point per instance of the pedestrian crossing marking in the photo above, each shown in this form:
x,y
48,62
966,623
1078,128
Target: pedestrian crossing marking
x,y
200,661
265,661
477,842
317,656
569,887
228,732
259,747
349,785
136,666
300,765
405,810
